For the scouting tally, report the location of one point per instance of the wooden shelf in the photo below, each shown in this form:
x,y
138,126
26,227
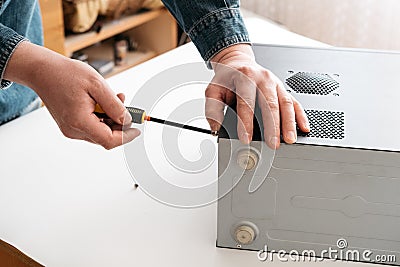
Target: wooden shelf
x,y
104,51
155,31
133,59
76,42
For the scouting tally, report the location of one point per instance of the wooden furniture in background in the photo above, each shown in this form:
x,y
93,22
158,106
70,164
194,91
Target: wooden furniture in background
x,y
12,257
154,30
53,25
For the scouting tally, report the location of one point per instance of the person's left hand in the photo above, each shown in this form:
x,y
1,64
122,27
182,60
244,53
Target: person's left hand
x,y
238,77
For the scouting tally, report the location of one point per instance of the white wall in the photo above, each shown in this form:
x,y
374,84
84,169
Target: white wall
x,y
350,23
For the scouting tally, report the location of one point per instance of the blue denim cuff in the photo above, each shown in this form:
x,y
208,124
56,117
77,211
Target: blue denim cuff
x,y
217,31
9,40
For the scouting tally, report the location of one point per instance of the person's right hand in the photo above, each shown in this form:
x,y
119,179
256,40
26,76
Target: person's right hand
x,y
70,90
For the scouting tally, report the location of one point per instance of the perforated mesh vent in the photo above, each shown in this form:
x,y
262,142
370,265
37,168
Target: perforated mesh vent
x,y
325,124
312,83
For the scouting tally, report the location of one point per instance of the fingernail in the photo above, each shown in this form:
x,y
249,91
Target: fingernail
x,y
291,136
308,126
246,138
274,141
127,118
215,126
138,132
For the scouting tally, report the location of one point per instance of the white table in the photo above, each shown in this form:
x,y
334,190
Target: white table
x,y
70,203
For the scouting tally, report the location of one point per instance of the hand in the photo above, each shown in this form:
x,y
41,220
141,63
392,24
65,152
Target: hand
x,y
70,90
238,77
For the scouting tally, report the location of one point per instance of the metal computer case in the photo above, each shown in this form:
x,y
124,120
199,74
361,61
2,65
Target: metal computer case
x,y
341,181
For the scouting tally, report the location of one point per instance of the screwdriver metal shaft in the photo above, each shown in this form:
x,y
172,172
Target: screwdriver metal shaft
x,y
139,116
183,126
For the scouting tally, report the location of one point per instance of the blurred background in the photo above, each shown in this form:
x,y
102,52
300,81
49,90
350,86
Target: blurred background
x,y
350,23
114,35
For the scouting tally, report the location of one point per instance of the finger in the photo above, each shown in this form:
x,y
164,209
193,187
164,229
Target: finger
x,y
110,103
103,135
214,106
129,135
301,117
269,105
246,97
121,97
111,123
125,129
288,117
115,126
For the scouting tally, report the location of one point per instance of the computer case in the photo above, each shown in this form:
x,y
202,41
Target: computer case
x,y
336,188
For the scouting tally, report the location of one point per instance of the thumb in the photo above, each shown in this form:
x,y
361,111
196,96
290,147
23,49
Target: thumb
x,y
111,104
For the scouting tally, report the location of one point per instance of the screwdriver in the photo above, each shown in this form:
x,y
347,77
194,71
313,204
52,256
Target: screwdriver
x,y
139,116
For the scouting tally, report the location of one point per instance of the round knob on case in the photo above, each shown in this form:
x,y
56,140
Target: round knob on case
x,y
245,235
247,159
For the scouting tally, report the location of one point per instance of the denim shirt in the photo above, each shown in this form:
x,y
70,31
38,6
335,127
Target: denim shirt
x,y
19,20
212,25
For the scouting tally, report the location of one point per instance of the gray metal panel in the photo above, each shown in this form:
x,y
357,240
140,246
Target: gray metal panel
x,y
320,190
369,90
305,206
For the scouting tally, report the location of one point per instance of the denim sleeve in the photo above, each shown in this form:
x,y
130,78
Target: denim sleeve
x,y
9,40
212,25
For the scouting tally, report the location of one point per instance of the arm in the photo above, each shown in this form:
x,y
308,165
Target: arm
x,y
217,29
9,40
69,88
212,25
